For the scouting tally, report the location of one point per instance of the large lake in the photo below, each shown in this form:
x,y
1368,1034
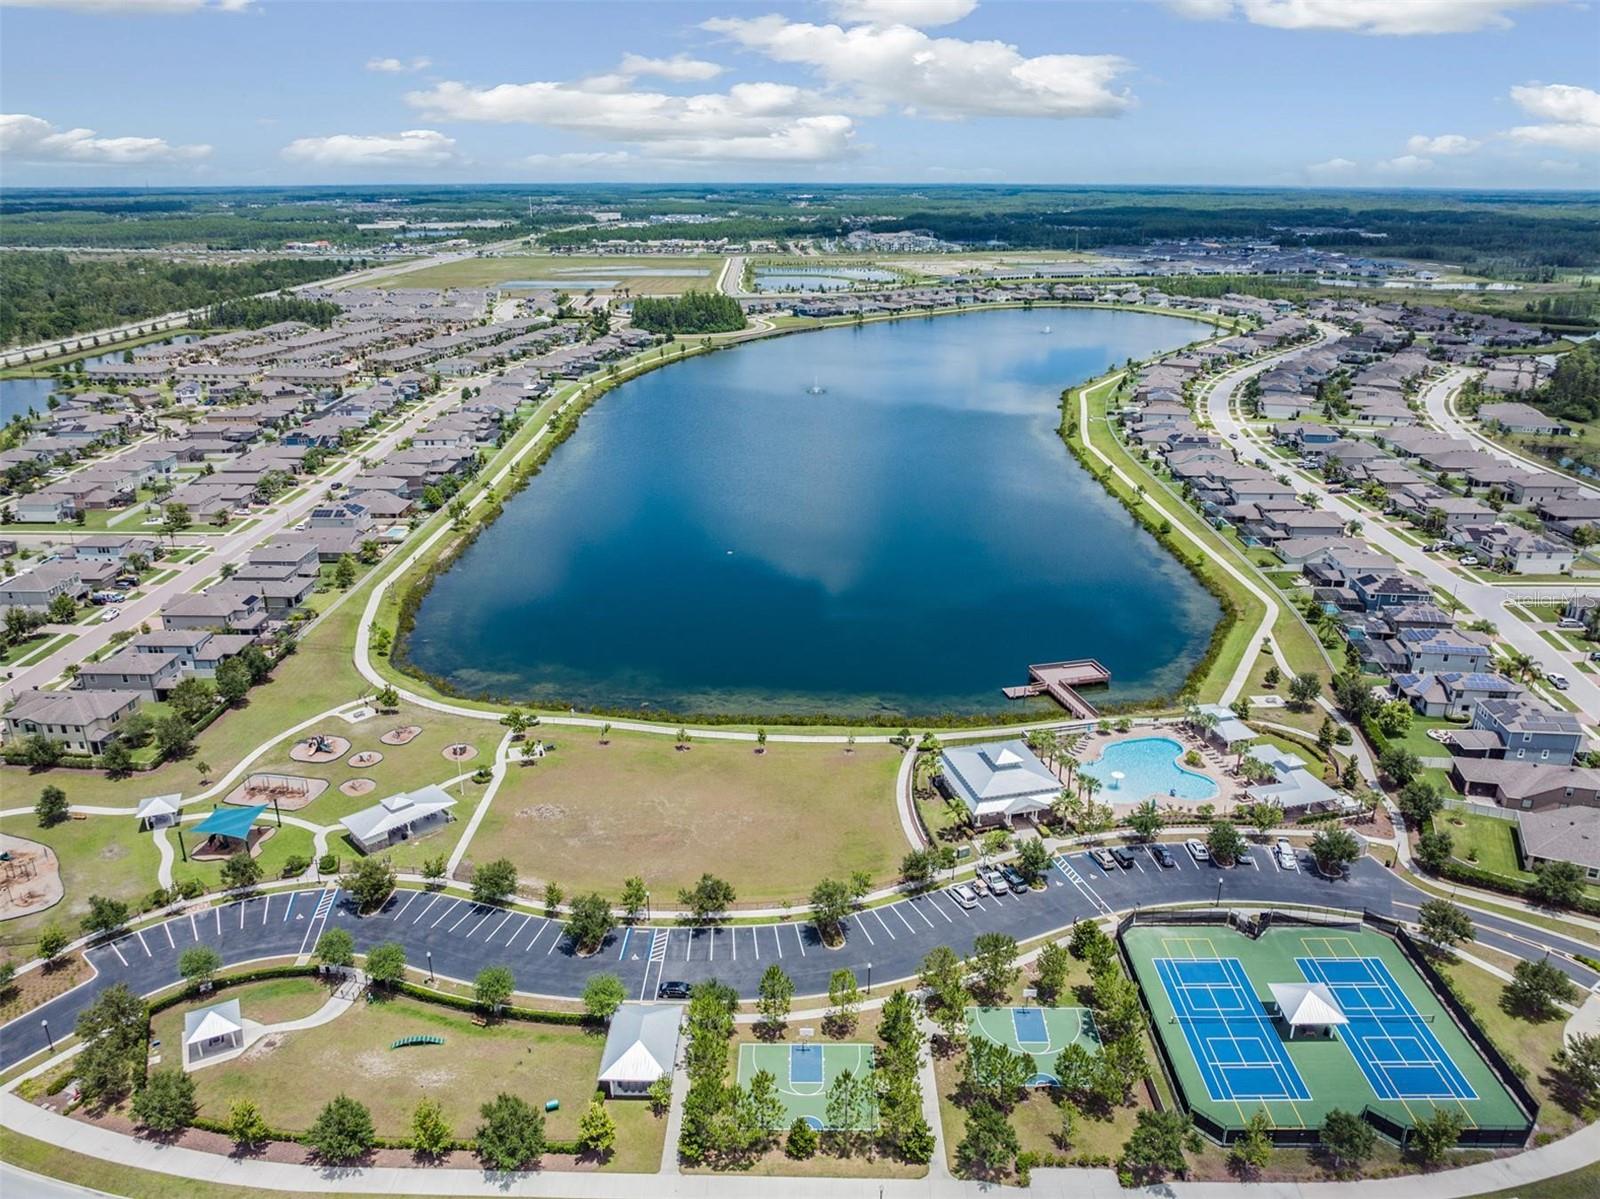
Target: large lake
x,y
716,538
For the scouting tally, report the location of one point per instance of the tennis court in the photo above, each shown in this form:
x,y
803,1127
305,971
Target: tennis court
x,y
1392,1042
1040,1032
804,1072
1229,1032
1400,1056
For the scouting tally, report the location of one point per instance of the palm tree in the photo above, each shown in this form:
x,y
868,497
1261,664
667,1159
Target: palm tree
x,y
1090,785
1521,665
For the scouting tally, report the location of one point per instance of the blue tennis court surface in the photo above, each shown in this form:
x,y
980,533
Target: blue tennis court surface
x,y
1230,1034
1387,1036
805,1063
1031,1029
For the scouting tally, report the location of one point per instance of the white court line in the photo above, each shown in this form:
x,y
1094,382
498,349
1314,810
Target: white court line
x,y
426,910
801,939
142,944
406,905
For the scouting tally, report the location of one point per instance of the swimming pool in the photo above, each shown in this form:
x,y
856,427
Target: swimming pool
x,y
1150,767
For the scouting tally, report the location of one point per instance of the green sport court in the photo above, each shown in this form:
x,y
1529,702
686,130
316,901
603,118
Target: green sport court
x,y
1040,1032
804,1072
1401,1055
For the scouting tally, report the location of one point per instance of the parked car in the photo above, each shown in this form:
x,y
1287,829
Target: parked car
x,y
978,885
1559,681
964,895
1103,856
110,614
996,880
1285,853
1197,850
1018,883
1123,855
1570,622
1469,560
1163,856
673,990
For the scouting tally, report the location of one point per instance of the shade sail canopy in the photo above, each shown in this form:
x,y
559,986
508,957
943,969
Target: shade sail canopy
x,y
230,822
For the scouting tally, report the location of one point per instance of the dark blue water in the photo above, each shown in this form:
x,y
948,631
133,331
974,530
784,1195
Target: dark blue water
x,y
716,539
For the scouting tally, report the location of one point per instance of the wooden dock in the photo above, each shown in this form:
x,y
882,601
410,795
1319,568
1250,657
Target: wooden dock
x,y
1060,681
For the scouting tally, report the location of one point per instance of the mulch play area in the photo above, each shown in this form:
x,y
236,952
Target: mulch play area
x,y
319,748
289,791
367,757
403,735
358,787
459,752
30,877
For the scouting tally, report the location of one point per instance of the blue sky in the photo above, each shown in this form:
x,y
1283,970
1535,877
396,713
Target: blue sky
x,y
1435,93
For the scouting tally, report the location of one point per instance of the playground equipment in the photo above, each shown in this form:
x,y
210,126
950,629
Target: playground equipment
x,y
419,1039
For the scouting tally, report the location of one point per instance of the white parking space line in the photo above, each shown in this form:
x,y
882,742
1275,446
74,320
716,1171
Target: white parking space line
x,y
801,939
879,919
895,908
862,924
473,931
1138,865
142,944
218,911
293,895
167,928
264,908
113,948
711,945
777,940
917,909
406,905
444,913
554,941
192,927
516,932
465,916
426,910
733,935
241,914
539,934
755,941
939,907
498,927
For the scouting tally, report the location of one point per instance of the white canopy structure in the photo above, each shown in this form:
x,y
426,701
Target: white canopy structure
x,y
641,1045
214,1029
1307,1005
401,816
158,811
999,780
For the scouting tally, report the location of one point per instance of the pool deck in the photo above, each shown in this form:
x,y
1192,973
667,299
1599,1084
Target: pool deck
x,y
1060,681
1214,766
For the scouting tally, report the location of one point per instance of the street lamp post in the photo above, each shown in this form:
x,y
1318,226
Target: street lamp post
x,y
47,1035
430,965
869,978
1219,892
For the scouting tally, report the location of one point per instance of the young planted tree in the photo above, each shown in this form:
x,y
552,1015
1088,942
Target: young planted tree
x,y
512,1133
635,898
431,1134
590,921
844,999
494,882
708,898
1347,1139
774,997
990,1146
603,995
831,902
1159,1142
342,1131
1445,924
166,1102
246,1125
199,965
597,1131
1332,849
386,963
52,807
994,962
1225,843
1435,1135
492,988
336,948
370,881
1536,988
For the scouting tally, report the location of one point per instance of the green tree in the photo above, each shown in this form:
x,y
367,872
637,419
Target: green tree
x,y
1578,1063
1558,884
116,760
774,997
994,962
199,964
52,807
246,1125
431,1134
344,572
174,738
1052,965
192,698
166,1102
1536,987
114,1030
1347,1139
635,898
801,1143
53,940
512,1133
602,995
1445,924
1433,849
1249,1154
943,976
597,1131
493,987
1303,691
1225,843
990,1145
336,948
494,882
1399,764
844,999
1334,848
240,870
849,1103
370,881
386,963
62,609
1033,859
104,915
342,1130
590,921
708,898
1419,801
1146,820
831,902
1159,1142
1435,1135
40,752
233,681
995,1073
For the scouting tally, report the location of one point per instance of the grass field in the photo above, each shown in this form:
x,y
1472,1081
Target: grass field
x,y
590,814
1485,842
1325,1071
616,271
293,1075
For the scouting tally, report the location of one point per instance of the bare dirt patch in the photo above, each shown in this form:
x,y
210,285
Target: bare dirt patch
x,y
262,1048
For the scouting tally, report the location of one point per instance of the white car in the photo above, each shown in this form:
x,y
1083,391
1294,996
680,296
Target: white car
x,y
1197,850
1468,560
110,614
964,895
1285,853
1559,681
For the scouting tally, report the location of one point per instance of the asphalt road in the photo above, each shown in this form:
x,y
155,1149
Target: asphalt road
x,y
457,938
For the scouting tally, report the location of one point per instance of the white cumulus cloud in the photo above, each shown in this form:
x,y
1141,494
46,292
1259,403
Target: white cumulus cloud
x,y
399,66
916,13
1331,166
1444,144
809,139
903,67
1569,115
1394,17
409,148
34,139
680,68
580,158
1406,164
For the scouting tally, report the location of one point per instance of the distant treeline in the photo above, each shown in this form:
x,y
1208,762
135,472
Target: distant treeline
x,y
1573,392
257,312
692,312
48,294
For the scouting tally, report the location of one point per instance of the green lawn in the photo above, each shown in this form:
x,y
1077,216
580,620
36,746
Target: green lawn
x,y
1482,841
99,855
618,270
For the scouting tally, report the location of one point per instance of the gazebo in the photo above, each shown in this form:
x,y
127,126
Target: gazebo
x,y
1307,1005
227,825
159,811
210,1030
